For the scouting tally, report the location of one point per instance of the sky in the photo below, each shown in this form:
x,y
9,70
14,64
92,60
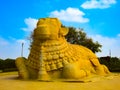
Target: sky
x,y
100,19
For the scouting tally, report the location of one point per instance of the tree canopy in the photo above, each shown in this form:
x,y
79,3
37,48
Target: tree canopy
x,y
113,63
7,65
78,36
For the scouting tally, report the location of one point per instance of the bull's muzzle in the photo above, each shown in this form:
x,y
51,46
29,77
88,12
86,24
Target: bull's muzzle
x,y
42,32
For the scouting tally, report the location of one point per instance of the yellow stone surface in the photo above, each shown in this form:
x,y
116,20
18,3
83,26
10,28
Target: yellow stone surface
x,y
51,56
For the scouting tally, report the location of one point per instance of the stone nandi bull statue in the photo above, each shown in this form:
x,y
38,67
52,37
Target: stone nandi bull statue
x,y
51,56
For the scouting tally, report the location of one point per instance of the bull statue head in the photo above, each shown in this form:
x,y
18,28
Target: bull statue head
x,y
49,28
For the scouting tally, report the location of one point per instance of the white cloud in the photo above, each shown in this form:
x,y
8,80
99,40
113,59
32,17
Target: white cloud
x,y
12,49
3,42
31,24
118,35
108,44
21,41
101,4
70,15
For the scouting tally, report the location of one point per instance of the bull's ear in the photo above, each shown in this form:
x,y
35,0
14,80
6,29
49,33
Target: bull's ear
x,y
64,31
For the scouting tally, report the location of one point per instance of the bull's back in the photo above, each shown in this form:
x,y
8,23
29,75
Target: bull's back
x,y
84,55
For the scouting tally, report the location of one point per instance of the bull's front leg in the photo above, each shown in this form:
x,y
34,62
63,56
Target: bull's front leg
x,y
22,69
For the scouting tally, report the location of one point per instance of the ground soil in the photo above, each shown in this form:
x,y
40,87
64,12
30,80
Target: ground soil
x,y
10,81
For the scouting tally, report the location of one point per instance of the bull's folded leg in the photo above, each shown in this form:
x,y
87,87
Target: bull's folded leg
x,y
71,71
22,70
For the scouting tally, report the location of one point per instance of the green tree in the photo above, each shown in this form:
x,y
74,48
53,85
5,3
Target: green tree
x,y
30,38
80,37
7,65
1,64
113,63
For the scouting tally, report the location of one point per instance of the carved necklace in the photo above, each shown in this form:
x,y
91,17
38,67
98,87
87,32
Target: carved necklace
x,y
52,52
